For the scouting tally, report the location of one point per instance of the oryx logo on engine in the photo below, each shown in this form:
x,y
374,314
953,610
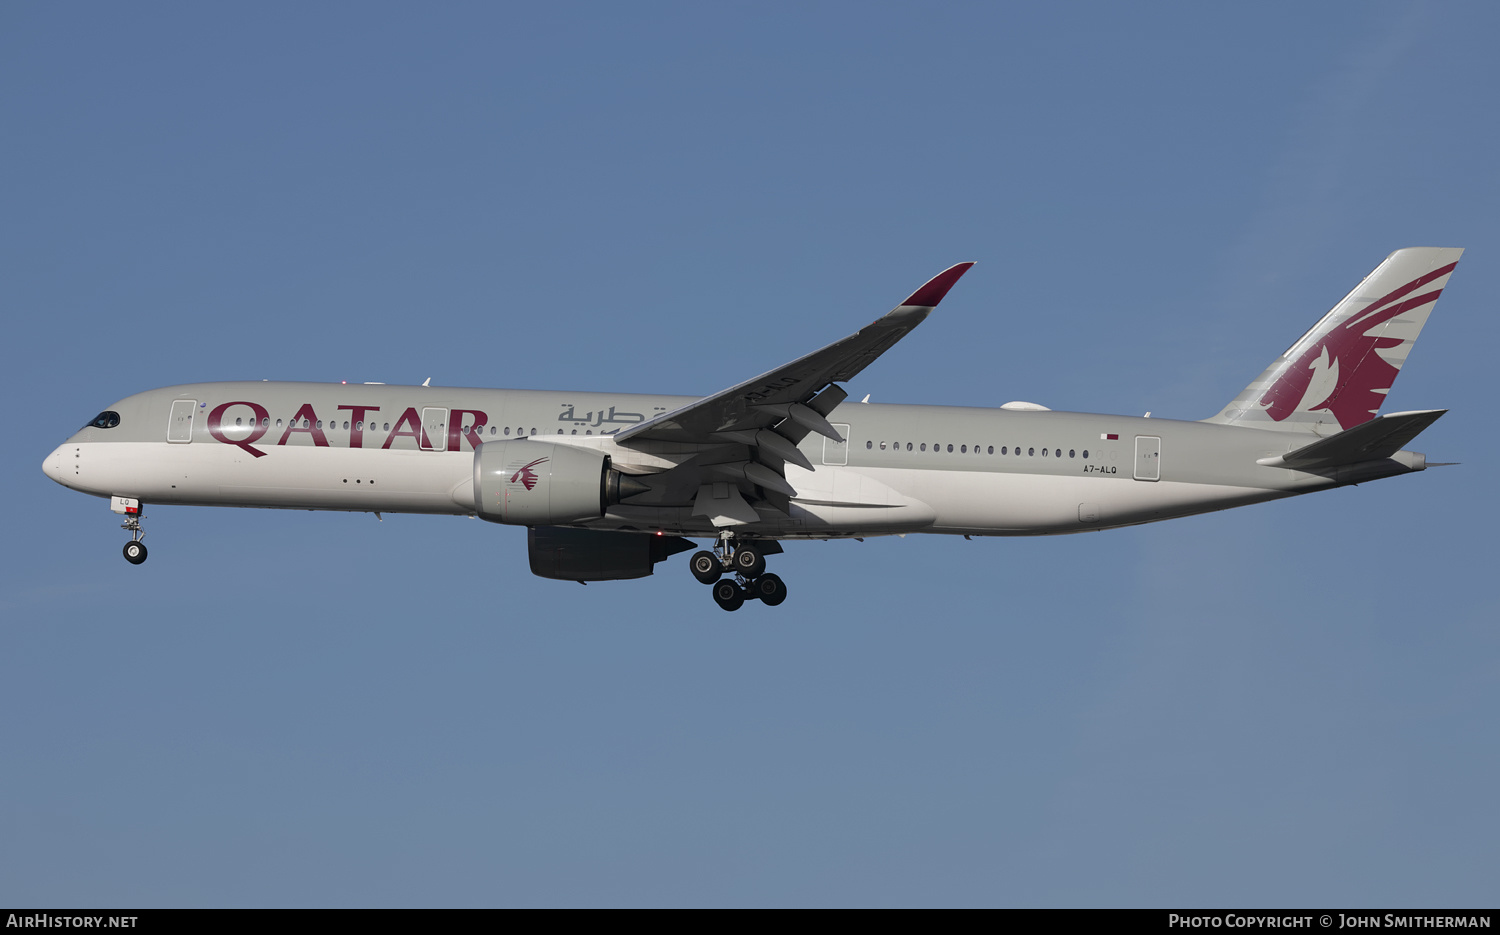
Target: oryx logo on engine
x,y
526,475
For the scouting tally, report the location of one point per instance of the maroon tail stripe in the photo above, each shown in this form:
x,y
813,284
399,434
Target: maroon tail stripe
x,y
1414,284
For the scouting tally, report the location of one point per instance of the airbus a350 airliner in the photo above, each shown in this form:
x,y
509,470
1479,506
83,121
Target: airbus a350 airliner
x,y
608,485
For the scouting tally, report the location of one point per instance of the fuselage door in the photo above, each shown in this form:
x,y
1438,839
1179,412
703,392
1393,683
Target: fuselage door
x,y
180,424
435,429
1148,457
837,452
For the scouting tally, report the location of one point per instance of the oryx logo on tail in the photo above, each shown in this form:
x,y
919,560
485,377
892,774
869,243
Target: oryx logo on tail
x,y
526,476
1345,365
1359,377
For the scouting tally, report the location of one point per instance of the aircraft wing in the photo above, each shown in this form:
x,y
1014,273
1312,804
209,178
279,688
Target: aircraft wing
x,y
743,413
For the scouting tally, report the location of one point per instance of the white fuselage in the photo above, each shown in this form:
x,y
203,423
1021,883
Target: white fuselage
x,y
902,469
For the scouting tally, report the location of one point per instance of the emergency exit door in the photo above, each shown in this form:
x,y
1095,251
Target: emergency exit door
x,y
434,430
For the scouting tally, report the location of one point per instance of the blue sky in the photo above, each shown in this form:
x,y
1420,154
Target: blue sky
x,y
1286,705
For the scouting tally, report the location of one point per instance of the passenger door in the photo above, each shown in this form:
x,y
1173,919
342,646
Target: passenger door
x,y
180,423
1148,457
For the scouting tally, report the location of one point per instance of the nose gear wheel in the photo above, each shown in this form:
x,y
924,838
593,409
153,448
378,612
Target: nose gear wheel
x,y
135,549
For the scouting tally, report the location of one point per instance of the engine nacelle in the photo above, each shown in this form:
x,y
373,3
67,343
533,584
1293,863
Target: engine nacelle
x,y
597,555
536,483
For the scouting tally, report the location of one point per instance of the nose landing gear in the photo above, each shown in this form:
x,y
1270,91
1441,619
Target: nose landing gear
x,y
746,563
135,549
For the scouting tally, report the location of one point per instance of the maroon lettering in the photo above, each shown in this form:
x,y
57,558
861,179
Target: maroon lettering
x,y
313,426
259,426
356,430
409,417
455,427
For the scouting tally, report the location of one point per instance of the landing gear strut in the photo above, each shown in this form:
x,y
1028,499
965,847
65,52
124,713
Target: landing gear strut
x,y
746,563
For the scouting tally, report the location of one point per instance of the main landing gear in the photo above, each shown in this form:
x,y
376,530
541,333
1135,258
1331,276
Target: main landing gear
x,y
746,564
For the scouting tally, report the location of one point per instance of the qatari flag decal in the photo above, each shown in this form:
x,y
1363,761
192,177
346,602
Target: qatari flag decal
x,y
1109,436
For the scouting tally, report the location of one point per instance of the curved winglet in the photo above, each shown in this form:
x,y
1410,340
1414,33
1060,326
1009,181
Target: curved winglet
x,y
932,293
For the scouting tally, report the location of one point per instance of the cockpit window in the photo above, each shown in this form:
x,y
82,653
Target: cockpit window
x,y
107,419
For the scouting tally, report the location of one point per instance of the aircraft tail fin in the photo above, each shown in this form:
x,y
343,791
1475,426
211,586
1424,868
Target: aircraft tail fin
x,y
1335,376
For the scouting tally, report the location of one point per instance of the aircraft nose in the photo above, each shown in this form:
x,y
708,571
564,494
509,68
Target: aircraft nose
x,y
54,464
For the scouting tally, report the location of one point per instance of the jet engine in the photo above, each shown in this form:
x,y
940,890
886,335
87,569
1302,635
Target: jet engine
x,y
535,483
597,555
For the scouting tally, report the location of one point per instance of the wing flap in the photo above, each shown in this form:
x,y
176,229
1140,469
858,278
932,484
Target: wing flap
x,y
723,505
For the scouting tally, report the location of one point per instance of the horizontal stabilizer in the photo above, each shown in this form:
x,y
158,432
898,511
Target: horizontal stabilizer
x,y
1379,438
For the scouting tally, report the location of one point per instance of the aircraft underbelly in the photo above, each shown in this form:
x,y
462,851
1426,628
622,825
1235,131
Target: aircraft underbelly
x,y
834,502
290,477
982,503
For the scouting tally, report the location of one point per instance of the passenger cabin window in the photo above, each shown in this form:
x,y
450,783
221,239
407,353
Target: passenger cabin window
x,y
107,419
